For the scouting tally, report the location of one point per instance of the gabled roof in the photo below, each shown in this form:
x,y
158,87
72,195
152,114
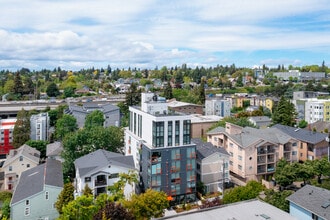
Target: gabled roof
x,y
99,159
205,149
54,149
25,151
250,136
35,179
302,134
314,199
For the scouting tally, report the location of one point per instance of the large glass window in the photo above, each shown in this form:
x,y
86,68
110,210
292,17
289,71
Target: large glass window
x,y
158,134
175,166
186,132
177,133
175,154
191,164
134,123
139,125
170,133
191,153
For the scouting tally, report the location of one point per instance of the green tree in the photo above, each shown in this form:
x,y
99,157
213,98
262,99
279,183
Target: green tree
x,y
284,113
241,193
93,119
285,174
18,85
28,86
65,125
302,124
87,191
52,90
39,145
201,94
9,86
85,141
21,132
168,93
133,96
82,208
64,197
5,209
150,204
117,189
321,167
278,198
68,92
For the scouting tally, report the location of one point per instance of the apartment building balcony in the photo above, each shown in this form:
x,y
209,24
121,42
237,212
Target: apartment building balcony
x,y
261,159
287,148
261,169
270,158
287,156
100,181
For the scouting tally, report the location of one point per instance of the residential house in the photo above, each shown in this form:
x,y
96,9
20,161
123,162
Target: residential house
x,y
200,124
160,142
310,202
260,121
54,150
6,135
111,113
184,107
101,169
40,127
18,161
254,152
312,145
37,191
212,166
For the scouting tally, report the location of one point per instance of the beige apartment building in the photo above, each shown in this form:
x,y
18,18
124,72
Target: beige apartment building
x,y
254,152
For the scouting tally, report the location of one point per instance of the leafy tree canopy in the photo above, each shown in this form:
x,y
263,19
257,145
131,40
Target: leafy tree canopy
x,y
95,118
21,132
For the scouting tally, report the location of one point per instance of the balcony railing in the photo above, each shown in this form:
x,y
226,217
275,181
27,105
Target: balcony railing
x,y
100,182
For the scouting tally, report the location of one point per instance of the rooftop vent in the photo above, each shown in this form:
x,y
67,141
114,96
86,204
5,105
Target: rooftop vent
x,y
326,204
265,216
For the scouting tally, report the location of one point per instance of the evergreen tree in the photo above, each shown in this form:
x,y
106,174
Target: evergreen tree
x,y
21,132
28,86
133,97
64,197
201,94
18,85
52,90
284,113
168,93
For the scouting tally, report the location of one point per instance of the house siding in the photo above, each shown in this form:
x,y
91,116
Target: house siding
x,y
40,207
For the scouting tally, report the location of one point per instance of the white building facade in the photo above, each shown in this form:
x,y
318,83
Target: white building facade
x,y
159,141
218,107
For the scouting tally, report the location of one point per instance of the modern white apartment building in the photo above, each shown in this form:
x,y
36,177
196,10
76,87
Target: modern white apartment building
x,y
218,107
159,140
39,127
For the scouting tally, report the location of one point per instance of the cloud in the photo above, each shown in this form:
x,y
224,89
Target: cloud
x,y
80,34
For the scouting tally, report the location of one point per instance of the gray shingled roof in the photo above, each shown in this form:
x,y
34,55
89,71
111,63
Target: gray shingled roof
x,y
33,180
312,198
25,151
302,134
205,149
98,159
217,130
54,149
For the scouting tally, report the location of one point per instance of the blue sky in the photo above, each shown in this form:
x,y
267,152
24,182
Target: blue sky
x,y
72,34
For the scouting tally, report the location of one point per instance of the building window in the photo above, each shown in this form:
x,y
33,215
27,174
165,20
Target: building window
x,y
113,175
169,133
294,153
158,134
27,202
28,165
175,154
134,125
88,179
191,153
239,157
186,132
177,133
46,195
10,168
231,163
175,166
20,158
239,167
27,211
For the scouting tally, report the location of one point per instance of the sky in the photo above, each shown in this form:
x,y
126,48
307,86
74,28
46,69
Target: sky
x,y
74,35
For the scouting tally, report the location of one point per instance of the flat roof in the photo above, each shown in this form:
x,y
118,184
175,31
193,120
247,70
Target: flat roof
x,y
197,118
251,209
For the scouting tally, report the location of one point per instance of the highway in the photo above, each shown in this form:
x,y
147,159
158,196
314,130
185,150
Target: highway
x,y
10,108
